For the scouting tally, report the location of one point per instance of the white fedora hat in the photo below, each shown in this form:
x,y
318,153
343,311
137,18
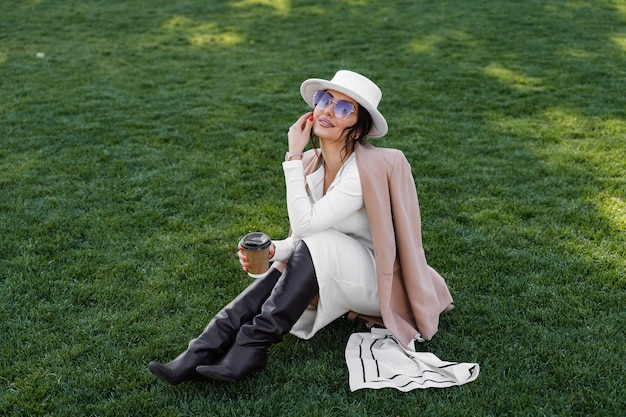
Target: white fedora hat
x,y
361,89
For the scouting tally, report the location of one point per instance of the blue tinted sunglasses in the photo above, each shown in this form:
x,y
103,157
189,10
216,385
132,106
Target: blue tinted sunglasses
x,y
343,108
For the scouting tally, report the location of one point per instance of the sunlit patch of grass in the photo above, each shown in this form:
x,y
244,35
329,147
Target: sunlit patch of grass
x,y
426,44
619,6
620,41
280,7
514,79
202,33
613,208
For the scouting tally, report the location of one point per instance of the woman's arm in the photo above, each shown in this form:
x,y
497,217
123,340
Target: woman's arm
x,y
307,218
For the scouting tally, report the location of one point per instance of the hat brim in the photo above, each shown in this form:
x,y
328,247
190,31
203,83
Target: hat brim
x,y
310,86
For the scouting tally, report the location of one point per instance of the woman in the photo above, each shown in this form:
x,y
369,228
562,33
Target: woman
x,y
355,243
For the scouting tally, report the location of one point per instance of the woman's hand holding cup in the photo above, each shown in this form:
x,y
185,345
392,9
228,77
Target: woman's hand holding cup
x,y
255,251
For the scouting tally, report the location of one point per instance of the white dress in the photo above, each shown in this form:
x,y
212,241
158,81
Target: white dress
x,y
335,228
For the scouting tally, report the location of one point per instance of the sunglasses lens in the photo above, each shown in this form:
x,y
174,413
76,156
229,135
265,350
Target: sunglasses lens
x,y
318,96
343,109
322,99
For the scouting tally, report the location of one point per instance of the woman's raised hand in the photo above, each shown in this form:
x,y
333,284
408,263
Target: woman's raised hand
x,y
299,133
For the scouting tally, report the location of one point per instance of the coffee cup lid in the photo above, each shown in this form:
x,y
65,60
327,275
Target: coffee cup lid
x,y
255,240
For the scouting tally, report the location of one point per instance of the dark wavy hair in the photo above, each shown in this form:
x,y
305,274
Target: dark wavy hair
x,y
355,133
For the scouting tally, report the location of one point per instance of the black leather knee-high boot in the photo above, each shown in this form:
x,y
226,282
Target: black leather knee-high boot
x,y
293,292
219,334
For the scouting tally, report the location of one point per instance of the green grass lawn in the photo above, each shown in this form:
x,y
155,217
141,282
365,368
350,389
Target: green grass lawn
x,y
139,140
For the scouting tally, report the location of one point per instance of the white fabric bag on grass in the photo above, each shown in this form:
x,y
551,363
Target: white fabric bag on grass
x,y
376,360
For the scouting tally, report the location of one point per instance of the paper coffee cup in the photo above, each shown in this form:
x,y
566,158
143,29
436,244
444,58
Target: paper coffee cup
x,y
256,246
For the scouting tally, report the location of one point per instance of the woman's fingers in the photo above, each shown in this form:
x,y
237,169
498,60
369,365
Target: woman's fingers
x,y
299,133
243,260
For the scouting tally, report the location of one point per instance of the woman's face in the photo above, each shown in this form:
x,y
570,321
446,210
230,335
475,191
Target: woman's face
x,y
327,125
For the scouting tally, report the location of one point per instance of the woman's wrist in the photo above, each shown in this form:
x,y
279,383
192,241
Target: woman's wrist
x,y
293,155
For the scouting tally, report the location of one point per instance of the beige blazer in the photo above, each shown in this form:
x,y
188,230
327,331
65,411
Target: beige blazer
x,y
412,295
